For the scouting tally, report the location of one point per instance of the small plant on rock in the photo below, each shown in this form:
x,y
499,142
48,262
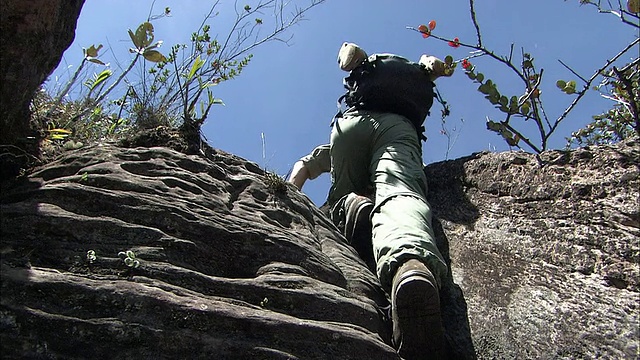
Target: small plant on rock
x,y
91,256
275,183
129,258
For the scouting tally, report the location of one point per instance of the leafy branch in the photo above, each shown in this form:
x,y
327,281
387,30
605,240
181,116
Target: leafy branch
x,y
589,82
176,89
529,106
183,82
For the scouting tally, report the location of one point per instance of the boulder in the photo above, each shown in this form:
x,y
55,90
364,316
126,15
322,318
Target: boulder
x,y
546,249
230,263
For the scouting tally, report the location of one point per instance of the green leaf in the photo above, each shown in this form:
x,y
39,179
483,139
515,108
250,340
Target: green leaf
x,y
57,130
197,64
154,46
506,134
247,8
561,84
494,126
154,56
513,104
218,102
134,40
503,100
58,134
504,109
92,51
99,79
144,34
208,84
480,77
448,60
471,75
131,254
515,140
525,108
97,61
484,88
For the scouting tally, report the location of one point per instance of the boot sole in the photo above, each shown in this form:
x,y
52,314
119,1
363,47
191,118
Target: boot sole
x,y
418,316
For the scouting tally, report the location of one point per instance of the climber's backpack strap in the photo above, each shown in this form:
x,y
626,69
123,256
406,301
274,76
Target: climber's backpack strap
x,y
390,83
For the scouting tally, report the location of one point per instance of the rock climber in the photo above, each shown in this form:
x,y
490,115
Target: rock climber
x,y
375,153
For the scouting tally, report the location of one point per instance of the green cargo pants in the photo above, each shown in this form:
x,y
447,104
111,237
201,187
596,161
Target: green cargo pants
x,y
383,150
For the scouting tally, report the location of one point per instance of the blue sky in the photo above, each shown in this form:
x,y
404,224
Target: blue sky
x,y
288,93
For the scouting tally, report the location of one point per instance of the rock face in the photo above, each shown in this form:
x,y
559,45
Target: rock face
x,y
228,268
232,264
33,36
546,250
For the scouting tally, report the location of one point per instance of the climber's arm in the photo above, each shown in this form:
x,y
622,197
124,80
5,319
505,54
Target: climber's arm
x,y
299,174
311,166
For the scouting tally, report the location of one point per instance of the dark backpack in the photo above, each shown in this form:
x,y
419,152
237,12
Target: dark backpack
x,y
391,83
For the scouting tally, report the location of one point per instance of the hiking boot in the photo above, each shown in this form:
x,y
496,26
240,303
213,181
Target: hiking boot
x,y
415,311
351,214
357,226
357,221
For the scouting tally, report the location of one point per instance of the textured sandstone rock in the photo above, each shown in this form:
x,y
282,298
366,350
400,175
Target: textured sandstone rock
x,y
228,268
546,251
33,36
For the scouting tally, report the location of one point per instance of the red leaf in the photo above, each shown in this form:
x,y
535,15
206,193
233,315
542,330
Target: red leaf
x,y
432,24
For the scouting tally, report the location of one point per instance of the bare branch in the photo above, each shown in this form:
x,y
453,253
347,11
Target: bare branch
x,y
620,14
481,49
475,22
522,137
588,83
628,87
281,26
572,71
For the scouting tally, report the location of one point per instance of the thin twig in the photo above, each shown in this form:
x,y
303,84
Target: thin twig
x,y
480,49
519,134
573,72
475,21
628,87
588,84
